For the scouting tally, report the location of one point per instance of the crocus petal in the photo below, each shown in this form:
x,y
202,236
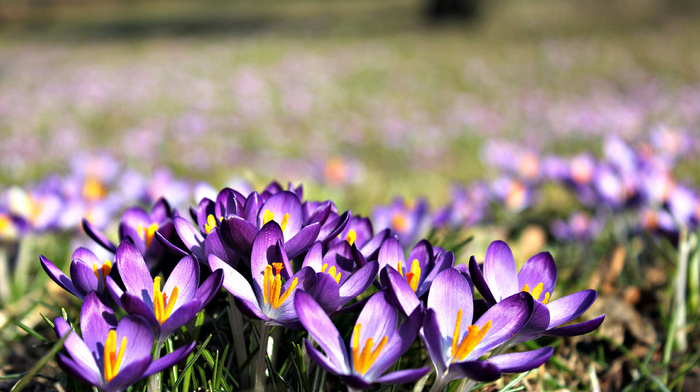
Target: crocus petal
x,y
214,245
450,293
139,338
568,308
433,339
280,204
326,292
169,246
205,208
128,375
135,216
443,261
250,309
115,292
252,206
355,382
577,329
263,252
320,214
322,361
523,361
206,292
373,326
476,370
84,278
98,236
391,254
75,346
133,271
397,344
135,305
402,376
160,211
538,323
314,257
185,276
358,282
183,315
302,240
480,282
507,318
86,375
423,252
540,268
169,360
399,289
238,233
190,236
59,277
500,271
96,319
286,312
321,328
371,249
340,257
332,228
234,282
86,255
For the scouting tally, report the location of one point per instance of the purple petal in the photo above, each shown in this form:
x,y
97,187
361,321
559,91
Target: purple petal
x,y
320,214
326,292
371,249
234,282
314,257
210,287
433,339
98,236
135,216
204,209
139,339
86,375
160,211
402,376
263,252
169,247
540,268
499,270
577,329
133,271
321,328
355,382
397,344
391,254
128,375
449,294
239,234
183,315
476,370
332,228
185,277
399,289
445,260
96,319
214,245
87,256
340,257
170,360
250,309
286,312
135,305
375,327
423,252
358,282
252,207
83,278
302,240
523,361
480,282
280,204
507,318
115,292
59,277
75,346
568,308
190,236
322,361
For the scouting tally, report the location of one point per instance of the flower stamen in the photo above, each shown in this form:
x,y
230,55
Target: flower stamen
x,y
147,233
112,359
102,272
162,306
363,360
272,286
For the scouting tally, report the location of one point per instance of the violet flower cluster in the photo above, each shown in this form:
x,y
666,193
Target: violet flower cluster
x,y
298,264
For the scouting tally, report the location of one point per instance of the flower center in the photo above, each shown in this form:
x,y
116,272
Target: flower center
x,y
363,360
536,292
332,272
113,360
211,223
351,237
272,286
147,233
473,337
7,226
399,222
269,216
516,195
162,306
93,190
102,271
412,276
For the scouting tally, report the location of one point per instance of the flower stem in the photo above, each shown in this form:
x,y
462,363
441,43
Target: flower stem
x,y
235,318
261,365
680,290
155,382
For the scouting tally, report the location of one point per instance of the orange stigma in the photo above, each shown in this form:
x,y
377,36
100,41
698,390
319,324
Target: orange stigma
x,y
102,272
351,237
474,336
147,233
162,305
272,286
112,359
399,222
363,360
412,276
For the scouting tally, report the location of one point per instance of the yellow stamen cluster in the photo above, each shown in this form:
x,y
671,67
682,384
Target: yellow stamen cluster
x,y
363,360
112,359
272,286
7,227
351,237
269,216
93,190
412,276
474,336
162,306
536,292
147,233
399,222
332,272
211,223
102,272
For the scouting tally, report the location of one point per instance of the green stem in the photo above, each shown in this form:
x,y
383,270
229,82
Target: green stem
x,y
235,318
155,382
680,290
169,348
261,364
694,276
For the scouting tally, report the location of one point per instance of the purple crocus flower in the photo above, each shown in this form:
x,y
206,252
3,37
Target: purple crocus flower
x,y
112,356
377,342
407,219
359,232
580,227
407,282
538,276
168,308
87,273
455,344
270,297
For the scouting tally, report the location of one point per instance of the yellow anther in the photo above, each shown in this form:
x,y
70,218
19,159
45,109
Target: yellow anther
x,y
211,224
546,298
413,276
526,288
352,237
474,336
458,327
267,217
272,286
102,272
332,272
112,359
285,219
162,305
364,359
147,233
399,222
537,291
93,190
